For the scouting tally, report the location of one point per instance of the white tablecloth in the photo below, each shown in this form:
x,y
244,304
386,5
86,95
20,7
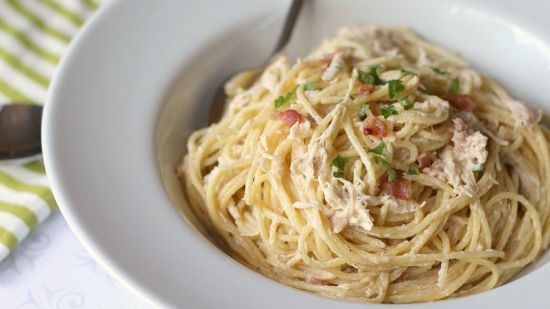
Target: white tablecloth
x,y
51,269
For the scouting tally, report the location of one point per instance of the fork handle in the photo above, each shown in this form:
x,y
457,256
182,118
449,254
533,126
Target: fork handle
x,y
290,20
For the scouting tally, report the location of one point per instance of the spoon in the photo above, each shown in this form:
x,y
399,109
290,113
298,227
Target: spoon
x,y
249,76
20,123
19,130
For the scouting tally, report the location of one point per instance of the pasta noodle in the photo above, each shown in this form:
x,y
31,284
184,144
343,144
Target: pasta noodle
x,y
379,168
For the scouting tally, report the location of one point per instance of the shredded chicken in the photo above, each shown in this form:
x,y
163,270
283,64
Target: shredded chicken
x,y
456,164
525,115
488,129
271,77
301,131
310,165
334,67
312,95
347,206
433,103
422,59
471,145
395,206
240,100
470,81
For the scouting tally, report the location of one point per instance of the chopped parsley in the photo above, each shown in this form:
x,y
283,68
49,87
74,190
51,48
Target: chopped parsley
x,y
395,87
439,71
282,100
455,85
311,85
406,103
371,77
479,168
339,162
387,166
363,112
413,169
407,72
352,97
380,149
387,111
365,77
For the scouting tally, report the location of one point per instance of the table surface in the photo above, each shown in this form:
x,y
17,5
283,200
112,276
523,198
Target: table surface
x,y
51,269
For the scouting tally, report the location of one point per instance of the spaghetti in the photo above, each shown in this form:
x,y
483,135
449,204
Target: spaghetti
x,y
379,168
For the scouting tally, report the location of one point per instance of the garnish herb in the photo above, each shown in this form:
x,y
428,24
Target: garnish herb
x,y
311,85
395,87
407,72
439,71
387,166
387,111
413,169
365,77
380,149
371,77
363,112
339,162
455,85
281,100
479,168
406,103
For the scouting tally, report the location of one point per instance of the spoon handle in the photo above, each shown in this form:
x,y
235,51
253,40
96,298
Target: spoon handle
x,y
19,130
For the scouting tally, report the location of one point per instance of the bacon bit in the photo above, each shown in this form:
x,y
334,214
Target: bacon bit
x,y
424,161
400,188
461,101
290,117
366,89
374,126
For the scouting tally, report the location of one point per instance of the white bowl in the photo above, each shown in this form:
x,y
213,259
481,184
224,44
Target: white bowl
x,y
137,80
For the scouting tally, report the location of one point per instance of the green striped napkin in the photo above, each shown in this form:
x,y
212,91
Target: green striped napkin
x,y
33,36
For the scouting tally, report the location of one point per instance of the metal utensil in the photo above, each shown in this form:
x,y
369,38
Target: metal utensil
x,y
19,130
20,123
218,102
